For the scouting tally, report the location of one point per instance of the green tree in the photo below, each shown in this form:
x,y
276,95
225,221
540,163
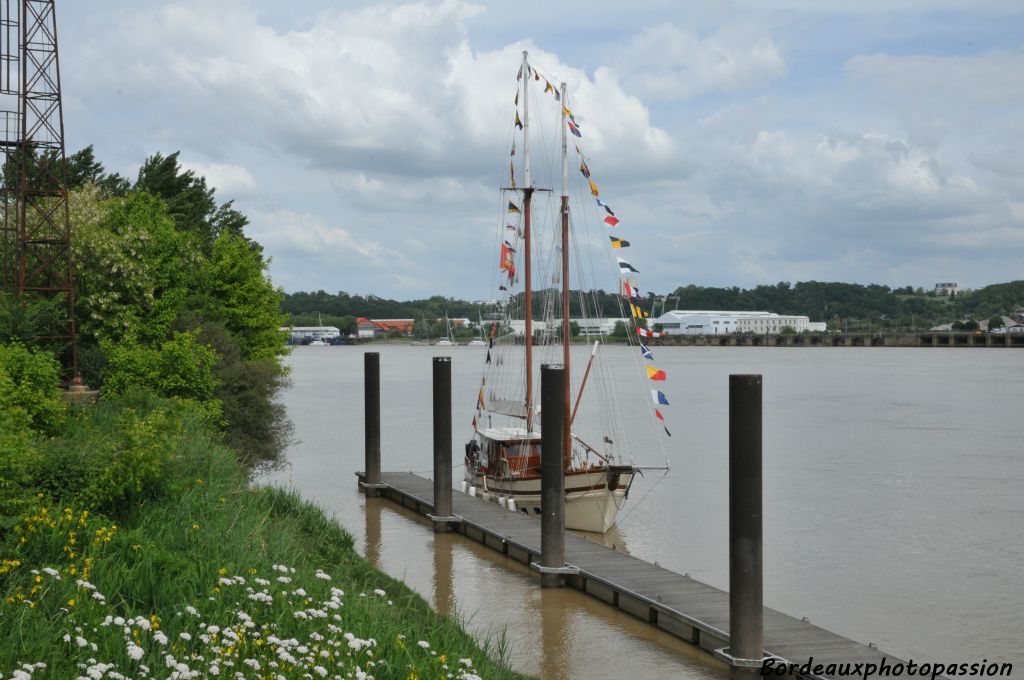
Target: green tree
x,y
996,322
189,200
237,291
134,268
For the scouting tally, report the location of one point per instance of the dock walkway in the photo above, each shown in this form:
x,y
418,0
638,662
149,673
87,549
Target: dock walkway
x,y
691,610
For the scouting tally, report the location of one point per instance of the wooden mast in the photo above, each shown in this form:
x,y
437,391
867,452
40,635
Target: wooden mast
x,y
527,264
566,326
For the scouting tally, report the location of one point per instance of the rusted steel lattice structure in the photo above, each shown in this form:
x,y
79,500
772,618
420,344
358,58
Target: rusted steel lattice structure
x,y
33,189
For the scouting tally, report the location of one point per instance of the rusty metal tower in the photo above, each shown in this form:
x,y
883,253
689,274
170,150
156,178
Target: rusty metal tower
x,y
33,188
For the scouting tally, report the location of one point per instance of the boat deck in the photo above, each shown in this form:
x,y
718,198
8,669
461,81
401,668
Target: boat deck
x,y
691,610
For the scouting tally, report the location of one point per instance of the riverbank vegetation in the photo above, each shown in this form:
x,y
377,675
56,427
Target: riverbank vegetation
x,y
844,306
132,544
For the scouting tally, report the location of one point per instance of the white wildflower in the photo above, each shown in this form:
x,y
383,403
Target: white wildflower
x,y
424,644
135,652
283,579
50,571
81,641
321,575
185,636
160,637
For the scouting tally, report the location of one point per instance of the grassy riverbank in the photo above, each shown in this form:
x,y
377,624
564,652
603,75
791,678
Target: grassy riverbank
x,y
133,546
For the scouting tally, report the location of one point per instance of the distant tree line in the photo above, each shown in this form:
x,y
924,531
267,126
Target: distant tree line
x,y
843,306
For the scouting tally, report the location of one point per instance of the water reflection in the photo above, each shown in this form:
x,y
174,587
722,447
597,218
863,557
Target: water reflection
x,y
372,538
550,633
553,629
444,589
613,539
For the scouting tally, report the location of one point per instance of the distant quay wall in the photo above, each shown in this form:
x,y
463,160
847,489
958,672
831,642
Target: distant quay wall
x,y
927,339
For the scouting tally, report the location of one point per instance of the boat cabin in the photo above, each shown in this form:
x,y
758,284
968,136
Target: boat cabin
x,y
505,451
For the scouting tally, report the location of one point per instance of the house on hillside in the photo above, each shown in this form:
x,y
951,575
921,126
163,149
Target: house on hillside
x,y
374,328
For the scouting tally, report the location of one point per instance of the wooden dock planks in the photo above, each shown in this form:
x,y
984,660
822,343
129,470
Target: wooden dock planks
x,y
691,610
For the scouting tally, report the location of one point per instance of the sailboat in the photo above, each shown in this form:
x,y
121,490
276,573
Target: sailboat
x,y
479,341
318,339
447,340
502,462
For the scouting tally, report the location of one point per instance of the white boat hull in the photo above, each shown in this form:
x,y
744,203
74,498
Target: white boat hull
x,y
589,504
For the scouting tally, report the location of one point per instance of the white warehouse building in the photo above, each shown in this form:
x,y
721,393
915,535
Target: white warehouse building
x,y
596,326
702,322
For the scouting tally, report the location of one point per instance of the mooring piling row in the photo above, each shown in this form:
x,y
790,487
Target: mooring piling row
x,y
729,625
746,584
552,480
442,405
371,418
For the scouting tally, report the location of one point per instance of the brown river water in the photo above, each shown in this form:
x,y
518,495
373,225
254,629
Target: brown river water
x,y
893,500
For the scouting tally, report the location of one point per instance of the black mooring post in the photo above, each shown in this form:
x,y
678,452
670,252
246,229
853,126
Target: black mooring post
x,y
552,481
442,443
371,404
746,587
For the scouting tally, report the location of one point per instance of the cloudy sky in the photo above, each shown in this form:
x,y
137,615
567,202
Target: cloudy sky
x,y
745,142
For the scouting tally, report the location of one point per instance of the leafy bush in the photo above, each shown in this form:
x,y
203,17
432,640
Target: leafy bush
x,y
17,451
23,319
32,388
181,368
117,452
255,425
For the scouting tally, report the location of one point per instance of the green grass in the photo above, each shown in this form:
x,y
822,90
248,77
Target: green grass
x,y
143,583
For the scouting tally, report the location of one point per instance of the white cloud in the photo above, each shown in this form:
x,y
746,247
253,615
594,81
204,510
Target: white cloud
x,y
378,133
667,62
393,88
939,98
297,232
228,179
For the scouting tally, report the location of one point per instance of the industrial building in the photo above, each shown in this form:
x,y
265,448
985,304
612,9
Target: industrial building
x,y
302,335
596,326
703,322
